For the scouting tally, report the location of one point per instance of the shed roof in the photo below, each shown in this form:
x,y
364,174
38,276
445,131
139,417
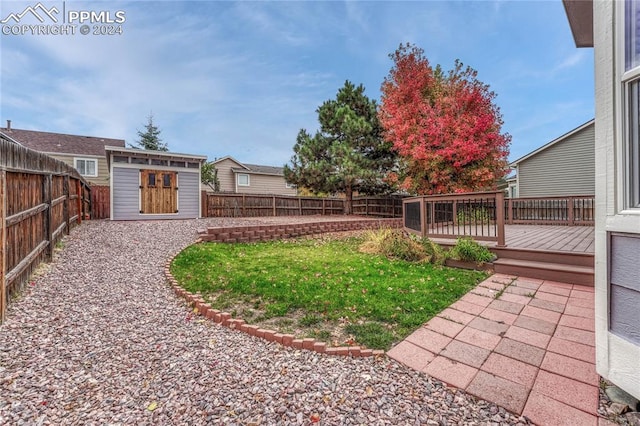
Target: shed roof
x,y
60,143
553,142
176,156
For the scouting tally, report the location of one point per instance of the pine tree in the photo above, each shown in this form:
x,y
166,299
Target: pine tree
x,y
348,153
150,138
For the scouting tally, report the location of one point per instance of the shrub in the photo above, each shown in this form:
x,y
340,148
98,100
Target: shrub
x,y
435,251
468,250
394,245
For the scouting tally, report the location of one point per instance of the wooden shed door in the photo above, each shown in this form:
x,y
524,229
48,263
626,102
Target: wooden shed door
x,y
158,192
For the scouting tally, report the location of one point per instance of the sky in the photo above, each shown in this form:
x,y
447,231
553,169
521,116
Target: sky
x,y
240,79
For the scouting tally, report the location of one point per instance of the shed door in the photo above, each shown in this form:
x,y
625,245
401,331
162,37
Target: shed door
x,y
158,192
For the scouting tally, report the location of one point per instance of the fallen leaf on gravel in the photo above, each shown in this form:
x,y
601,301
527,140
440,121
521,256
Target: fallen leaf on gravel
x,y
152,406
369,391
212,343
315,418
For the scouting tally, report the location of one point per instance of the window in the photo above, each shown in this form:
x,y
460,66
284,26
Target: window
x,y
176,163
243,179
120,159
631,96
166,181
136,160
156,162
86,167
152,179
289,185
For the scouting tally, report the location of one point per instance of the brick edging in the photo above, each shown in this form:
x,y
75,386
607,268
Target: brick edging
x,y
201,307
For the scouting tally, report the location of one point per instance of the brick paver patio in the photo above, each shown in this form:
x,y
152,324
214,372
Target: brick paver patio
x,y
526,344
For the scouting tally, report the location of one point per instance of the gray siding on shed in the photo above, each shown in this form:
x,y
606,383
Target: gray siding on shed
x,y
565,168
126,195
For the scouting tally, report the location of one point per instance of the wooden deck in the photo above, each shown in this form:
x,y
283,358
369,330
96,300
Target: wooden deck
x,y
575,239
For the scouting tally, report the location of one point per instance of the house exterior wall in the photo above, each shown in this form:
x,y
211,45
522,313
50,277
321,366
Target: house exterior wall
x,y
266,184
566,168
617,230
258,183
226,176
103,171
125,190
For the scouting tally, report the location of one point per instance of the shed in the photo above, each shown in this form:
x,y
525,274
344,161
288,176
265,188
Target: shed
x,y
150,185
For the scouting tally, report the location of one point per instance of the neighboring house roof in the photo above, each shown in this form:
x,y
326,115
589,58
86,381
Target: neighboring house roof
x,y
58,143
260,170
553,142
256,169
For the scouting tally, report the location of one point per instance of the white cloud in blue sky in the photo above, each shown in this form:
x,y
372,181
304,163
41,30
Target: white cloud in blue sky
x,y
241,78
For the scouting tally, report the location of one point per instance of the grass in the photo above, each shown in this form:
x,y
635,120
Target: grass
x,y
327,283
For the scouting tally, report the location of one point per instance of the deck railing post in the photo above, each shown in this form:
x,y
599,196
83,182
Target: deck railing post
x,y
570,213
423,218
510,211
499,200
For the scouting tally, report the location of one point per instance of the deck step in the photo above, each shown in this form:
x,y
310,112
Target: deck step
x,y
574,274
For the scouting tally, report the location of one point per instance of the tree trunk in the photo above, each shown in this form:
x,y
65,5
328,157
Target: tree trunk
x,y
348,202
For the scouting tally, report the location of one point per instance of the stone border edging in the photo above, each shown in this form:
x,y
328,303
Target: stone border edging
x,y
249,234
254,233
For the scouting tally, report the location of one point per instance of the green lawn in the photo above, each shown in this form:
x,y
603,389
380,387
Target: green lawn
x,y
323,284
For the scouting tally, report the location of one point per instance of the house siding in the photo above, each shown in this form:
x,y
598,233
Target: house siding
x,y
126,195
566,168
258,183
103,171
266,184
226,175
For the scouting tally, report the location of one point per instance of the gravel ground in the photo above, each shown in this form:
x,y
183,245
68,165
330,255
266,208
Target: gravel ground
x,y
99,338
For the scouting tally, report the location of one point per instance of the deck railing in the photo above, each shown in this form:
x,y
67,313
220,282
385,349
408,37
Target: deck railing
x,y
479,215
569,210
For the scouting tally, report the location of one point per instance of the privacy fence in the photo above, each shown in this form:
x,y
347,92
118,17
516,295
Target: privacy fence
x,y
41,199
249,205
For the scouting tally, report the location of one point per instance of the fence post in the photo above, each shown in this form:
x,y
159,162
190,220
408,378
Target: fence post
x,y
78,202
300,206
67,194
274,205
48,228
3,244
244,206
500,219
366,206
323,207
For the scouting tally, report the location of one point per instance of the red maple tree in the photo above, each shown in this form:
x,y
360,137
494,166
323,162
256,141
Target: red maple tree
x,y
445,127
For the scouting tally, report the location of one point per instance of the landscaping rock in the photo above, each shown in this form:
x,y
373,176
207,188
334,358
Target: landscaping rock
x,y
616,394
101,338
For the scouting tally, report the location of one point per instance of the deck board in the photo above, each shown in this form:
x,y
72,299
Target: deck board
x,y
578,239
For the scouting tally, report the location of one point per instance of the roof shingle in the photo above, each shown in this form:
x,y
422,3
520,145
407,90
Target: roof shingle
x,y
59,143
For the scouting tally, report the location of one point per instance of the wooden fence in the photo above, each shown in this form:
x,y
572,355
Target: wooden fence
x,y
41,199
250,205
100,202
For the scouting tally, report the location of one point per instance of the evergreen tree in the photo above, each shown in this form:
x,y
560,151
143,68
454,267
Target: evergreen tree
x,y
150,138
348,153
